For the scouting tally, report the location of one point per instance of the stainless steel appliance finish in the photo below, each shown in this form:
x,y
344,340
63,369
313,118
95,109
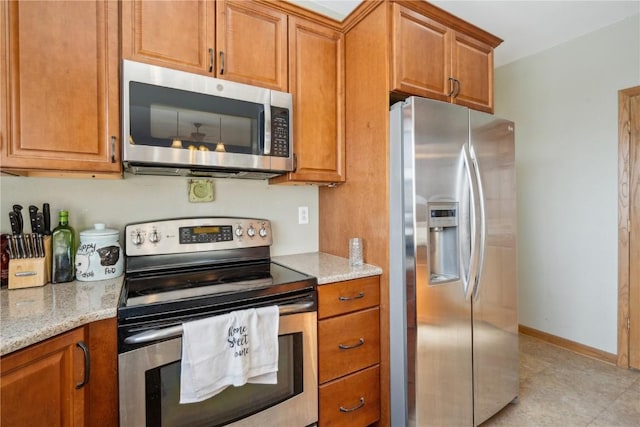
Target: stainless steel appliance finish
x,y
453,298
179,123
185,269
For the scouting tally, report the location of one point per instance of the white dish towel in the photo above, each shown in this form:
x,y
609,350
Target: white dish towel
x,y
231,349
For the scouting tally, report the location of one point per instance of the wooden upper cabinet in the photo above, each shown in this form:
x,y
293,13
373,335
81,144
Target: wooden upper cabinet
x,y
316,73
433,60
251,44
421,55
175,34
473,67
60,86
38,384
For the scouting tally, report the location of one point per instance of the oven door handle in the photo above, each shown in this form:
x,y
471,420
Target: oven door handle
x,y
176,331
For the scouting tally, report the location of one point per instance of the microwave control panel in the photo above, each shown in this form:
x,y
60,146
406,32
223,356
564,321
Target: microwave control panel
x,y
279,132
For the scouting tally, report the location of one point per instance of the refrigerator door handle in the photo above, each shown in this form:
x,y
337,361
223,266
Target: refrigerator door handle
x,y
470,280
483,223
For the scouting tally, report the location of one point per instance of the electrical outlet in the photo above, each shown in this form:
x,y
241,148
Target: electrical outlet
x,y
303,215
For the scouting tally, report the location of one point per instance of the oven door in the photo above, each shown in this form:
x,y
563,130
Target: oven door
x,y
149,379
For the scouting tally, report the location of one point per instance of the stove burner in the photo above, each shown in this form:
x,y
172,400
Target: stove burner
x,y
187,284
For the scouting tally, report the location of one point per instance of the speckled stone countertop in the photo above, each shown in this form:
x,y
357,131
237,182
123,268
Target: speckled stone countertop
x,y
31,315
327,268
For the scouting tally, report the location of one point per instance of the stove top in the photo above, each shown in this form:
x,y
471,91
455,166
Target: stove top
x,y
179,270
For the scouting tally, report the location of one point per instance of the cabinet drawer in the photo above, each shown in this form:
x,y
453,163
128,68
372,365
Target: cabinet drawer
x,y
351,401
348,296
348,343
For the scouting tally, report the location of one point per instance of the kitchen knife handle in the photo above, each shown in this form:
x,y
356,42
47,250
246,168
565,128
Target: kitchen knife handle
x,y
47,219
28,252
10,246
33,218
15,225
18,211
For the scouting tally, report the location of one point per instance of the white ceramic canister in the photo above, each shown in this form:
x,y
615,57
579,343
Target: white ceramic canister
x,y
99,255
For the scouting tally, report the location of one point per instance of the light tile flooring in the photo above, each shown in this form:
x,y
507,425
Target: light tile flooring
x,y
561,388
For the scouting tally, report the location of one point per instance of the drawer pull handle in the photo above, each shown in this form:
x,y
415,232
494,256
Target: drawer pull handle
x,y
355,408
348,347
87,364
360,295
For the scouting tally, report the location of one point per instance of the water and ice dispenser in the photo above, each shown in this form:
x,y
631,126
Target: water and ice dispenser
x,y
443,242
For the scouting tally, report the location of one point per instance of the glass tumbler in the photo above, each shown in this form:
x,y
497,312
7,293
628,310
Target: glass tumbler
x,y
355,251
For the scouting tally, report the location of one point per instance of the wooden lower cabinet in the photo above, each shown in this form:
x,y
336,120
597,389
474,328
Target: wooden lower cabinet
x,y
349,352
48,384
38,384
353,400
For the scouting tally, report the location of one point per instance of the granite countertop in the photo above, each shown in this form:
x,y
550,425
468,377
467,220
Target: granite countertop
x,y
31,315
327,268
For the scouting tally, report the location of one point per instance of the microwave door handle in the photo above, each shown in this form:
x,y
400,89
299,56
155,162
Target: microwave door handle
x,y
267,130
176,331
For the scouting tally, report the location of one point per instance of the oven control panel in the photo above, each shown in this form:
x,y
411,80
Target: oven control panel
x,y
181,235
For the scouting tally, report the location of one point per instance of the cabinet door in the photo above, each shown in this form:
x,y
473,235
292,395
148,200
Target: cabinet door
x,y
421,55
103,391
347,296
175,34
38,384
251,44
62,88
473,67
348,343
316,72
351,401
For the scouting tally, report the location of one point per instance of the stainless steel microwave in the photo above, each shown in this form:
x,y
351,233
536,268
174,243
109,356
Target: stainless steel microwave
x,y
179,123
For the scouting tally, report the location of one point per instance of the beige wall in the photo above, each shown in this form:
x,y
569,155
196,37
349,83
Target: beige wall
x,y
144,198
564,102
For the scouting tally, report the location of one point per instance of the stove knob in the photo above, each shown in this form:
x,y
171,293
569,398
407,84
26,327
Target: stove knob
x,y
251,232
154,237
263,232
239,231
137,238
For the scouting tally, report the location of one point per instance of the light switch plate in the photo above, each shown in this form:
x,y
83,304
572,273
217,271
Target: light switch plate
x,y
201,190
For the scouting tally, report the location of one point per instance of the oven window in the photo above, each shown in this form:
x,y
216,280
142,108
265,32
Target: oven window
x,y
166,117
163,392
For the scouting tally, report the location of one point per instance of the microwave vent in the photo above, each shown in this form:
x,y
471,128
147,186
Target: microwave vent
x,y
200,173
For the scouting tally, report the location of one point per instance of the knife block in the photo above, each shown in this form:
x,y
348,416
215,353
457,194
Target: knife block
x,y
31,272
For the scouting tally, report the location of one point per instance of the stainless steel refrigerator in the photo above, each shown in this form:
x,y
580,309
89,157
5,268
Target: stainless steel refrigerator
x,y
453,282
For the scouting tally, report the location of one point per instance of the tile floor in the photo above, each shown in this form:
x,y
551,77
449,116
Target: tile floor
x,y
561,388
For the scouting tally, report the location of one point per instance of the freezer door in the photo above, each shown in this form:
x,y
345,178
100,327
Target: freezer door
x,y
495,318
439,319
